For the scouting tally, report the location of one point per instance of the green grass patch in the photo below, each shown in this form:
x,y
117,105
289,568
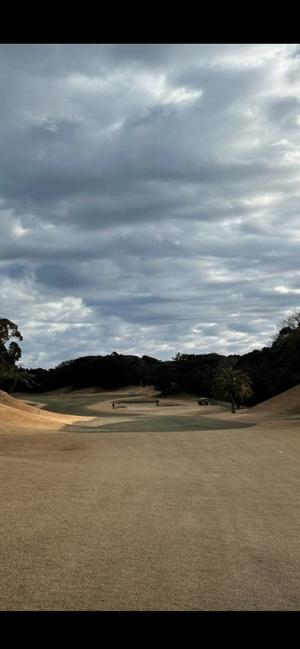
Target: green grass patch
x,y
170,424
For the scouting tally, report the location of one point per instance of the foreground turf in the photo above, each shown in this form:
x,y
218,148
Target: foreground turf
x,y
175,521
173,510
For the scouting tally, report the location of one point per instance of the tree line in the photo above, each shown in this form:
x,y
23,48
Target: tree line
x,y
248,378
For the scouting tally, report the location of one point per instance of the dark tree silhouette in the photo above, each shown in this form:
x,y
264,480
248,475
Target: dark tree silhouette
x,y
9,353
233,385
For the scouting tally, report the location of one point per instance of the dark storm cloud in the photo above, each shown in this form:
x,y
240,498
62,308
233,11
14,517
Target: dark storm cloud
x,y
149,196
59,276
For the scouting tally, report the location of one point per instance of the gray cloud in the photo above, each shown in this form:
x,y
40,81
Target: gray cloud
x,y
149,197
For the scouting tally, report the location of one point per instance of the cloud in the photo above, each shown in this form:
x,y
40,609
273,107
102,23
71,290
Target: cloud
x,y
148,197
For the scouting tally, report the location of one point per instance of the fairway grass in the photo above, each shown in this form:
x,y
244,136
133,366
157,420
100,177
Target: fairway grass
x,y
166,424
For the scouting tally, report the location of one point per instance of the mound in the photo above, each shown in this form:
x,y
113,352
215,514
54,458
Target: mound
x,y
288,401
7,400
16,415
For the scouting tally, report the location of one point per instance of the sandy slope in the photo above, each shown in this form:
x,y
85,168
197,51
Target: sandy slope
x,y
16,416
288,401
7,400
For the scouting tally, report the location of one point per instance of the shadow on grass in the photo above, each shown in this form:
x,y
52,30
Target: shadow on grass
x,y
161,425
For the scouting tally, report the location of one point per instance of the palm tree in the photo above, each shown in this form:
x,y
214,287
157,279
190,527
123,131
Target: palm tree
x,y
233,385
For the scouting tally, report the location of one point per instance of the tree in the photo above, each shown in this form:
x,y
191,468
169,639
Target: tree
x,y
178,357
292,321
288,326
232,384
9,354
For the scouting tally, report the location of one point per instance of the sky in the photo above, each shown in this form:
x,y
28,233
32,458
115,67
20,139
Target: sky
x,y
149,197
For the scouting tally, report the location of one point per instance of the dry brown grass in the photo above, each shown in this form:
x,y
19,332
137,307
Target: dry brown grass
x,y
183,520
